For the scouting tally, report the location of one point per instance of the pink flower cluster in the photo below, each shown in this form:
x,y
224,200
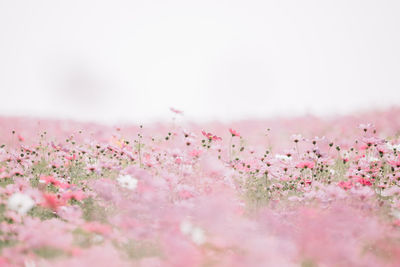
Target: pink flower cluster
x,y
247,194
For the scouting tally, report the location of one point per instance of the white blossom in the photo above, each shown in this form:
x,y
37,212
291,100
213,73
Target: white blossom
x,y
127,181
195,233
20,203
390,146
283,157
198,236
186,227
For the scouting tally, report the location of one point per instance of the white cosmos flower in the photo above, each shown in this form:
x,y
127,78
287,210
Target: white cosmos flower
x,y
390,146
20,203
283,157
186,227
127,181
373,159
198,236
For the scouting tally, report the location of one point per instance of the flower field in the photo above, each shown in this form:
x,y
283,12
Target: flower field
x,y
302,191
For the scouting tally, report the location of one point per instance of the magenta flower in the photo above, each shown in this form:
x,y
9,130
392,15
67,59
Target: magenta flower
x,y
75,195
306,165
51,180
346,185
210,136
364,181
176,111
233,132
52,201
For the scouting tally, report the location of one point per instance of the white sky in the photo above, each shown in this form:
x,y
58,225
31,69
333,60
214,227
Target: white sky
x,y
132,60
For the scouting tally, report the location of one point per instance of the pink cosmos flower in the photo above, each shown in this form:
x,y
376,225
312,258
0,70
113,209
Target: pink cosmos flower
x,y
296,138
52,201
195,152
345,185
234,133
51,180
48,180
210,136
371,141
176,111
364,181
76,195
366,126
73,157
306,164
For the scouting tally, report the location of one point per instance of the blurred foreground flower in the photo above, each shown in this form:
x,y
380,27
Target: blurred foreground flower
x,y
20,203
127,181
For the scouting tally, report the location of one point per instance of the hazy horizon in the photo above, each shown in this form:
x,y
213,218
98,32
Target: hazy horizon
x,y
132,60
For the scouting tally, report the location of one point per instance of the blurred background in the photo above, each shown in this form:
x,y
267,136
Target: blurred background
x,y
131,60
